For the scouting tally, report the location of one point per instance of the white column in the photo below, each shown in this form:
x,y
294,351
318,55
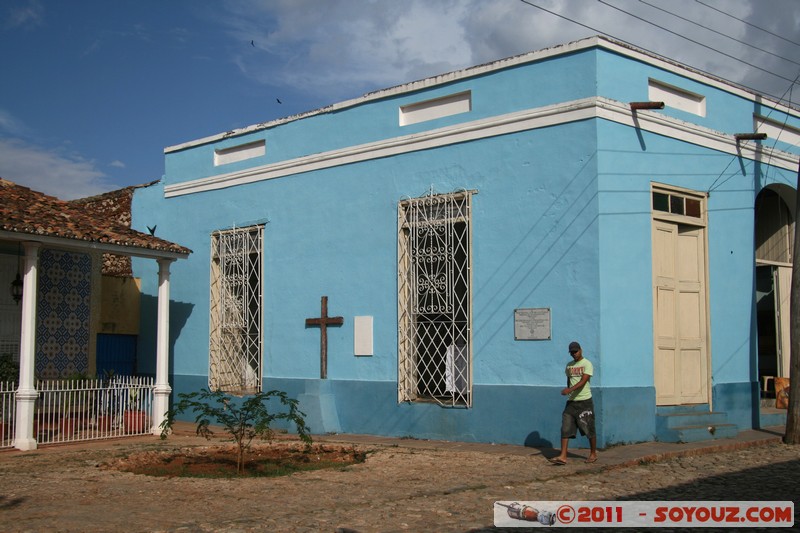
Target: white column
x,y
162,388
26,393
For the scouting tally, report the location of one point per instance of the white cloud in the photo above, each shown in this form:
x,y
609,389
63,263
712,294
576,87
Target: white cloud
x,y
27,14
339,47
51,172
10,125
316,46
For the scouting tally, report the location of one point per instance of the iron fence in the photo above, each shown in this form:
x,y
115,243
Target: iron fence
x,y
82,410
8,396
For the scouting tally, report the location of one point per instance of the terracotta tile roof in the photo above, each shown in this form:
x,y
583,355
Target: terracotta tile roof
x,y
23,210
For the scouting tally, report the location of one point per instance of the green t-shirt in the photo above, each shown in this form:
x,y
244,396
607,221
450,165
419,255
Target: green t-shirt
x,y
575,371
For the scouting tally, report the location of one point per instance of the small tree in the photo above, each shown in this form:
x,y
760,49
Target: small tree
x,y
243,420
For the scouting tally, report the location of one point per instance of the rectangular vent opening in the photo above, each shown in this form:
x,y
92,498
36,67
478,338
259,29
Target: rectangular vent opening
x,y
676,97
242,152
436,108
777,130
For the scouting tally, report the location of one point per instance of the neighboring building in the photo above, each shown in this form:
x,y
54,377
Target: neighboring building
x,y
467,227
117,312
59,304
87,297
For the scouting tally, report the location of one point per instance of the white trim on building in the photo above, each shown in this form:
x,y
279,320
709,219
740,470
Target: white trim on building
x,y
583,109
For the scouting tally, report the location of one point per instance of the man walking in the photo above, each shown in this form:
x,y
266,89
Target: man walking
x,y
579,412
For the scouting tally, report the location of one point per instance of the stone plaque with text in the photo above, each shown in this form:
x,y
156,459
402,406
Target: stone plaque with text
x,y
532,324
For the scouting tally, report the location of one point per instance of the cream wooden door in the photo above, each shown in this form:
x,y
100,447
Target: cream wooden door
x,y
679,296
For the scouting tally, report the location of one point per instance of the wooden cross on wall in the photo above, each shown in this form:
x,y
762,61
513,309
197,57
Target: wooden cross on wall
x,y
323,322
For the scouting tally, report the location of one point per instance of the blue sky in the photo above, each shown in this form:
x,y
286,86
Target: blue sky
x,y
94,90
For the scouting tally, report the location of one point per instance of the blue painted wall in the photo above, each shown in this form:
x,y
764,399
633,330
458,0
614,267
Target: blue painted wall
x,y
561,219
570,78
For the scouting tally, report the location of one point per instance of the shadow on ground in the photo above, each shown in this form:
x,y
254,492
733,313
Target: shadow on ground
x,y
778,482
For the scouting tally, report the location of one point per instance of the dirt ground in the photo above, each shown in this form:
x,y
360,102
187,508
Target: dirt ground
x,y
221,460
81,488
399,487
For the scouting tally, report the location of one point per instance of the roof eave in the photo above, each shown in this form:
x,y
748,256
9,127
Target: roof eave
x,y
600,41
80,245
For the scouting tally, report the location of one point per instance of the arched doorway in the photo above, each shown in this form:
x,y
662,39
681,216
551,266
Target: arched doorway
x,y
774,242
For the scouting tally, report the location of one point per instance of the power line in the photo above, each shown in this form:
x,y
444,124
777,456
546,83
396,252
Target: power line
x,y
597,31
792,82
718,32
748,23
788,100
716,183
564,17
695,42
783,128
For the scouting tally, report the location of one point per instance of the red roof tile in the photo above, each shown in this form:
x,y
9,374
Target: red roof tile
x,y
23,210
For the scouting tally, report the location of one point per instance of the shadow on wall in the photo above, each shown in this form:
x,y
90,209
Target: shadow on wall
x,y
179,313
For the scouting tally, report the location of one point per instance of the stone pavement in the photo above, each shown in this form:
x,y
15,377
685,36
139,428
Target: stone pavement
x,y
616,456
404,485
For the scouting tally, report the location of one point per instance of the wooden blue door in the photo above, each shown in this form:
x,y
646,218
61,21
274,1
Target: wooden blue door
x,y
116,353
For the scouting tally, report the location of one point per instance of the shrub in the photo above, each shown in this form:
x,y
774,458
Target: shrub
x,y
242,420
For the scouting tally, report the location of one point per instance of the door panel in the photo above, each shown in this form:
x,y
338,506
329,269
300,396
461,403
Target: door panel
x,y
692,372
117,354
681,362
690,313
688,250
691,286
783,288
665,302
665,373
665,364
664,250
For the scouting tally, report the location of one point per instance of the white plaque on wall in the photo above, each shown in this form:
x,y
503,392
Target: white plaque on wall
x,y
362,336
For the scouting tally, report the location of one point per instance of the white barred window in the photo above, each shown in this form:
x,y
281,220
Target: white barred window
x,y
235,347
434,300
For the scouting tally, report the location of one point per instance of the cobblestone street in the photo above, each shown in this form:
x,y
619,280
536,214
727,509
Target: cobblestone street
x,y
411,486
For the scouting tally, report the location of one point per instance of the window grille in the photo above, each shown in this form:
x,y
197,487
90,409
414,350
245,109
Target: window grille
x,y
235,345
434,299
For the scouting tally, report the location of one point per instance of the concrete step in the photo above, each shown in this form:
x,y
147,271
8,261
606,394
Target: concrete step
x,y
676,420
698,433
692,423
772,417
682,409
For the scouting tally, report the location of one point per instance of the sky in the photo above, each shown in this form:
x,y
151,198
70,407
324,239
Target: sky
x,y
93,91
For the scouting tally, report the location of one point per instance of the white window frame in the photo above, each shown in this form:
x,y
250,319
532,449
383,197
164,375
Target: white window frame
x,y
435,299
681,195
236,344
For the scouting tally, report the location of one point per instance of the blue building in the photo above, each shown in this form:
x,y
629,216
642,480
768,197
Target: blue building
x,y
449,237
